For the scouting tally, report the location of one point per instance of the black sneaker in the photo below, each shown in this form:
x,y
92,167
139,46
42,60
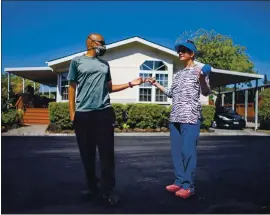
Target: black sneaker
x,y
110,199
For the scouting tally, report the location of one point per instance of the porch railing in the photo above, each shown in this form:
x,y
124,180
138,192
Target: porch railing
x,y
32,101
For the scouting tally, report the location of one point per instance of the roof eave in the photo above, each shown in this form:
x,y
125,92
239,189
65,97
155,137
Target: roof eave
x,y
114,45
13,69
229,72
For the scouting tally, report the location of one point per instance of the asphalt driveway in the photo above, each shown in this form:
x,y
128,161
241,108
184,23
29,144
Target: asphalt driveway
x,y
45,175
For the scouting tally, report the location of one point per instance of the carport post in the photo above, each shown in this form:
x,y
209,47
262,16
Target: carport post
x,y
8,85
23,85
246,103
49,91
34,86
222,99
42,89
219,96
233,97
256,105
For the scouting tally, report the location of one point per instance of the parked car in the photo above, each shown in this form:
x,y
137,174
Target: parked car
x,y
226,117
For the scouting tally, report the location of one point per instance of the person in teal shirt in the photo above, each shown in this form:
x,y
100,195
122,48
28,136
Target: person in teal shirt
x,y
93,116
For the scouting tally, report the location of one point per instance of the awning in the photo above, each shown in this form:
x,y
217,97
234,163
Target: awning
x,y
42,75
220,77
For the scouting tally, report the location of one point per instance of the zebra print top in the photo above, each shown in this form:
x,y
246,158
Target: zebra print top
x,y
185,93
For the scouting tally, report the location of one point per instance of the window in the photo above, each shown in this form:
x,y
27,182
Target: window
x,y
145,89
147,92
64,86
163,80
153,65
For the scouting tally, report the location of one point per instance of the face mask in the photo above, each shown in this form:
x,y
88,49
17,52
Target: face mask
x,y
100,50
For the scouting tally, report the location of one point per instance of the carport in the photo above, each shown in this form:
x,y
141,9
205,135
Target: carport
x,y
42,75
219,78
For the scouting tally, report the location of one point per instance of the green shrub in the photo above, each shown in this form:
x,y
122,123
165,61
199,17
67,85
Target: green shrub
x,y
264,114
54,128
147,116
167,115
11,119
129,106
265,94
141,116
59,114
119,110
264,111
208,113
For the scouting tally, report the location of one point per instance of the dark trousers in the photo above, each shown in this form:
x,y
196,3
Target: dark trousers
x,y
96,129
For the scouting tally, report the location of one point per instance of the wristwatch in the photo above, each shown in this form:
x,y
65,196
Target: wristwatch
x,y
130,85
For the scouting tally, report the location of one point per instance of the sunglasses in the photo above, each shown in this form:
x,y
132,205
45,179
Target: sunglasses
x,y
102,42
183,49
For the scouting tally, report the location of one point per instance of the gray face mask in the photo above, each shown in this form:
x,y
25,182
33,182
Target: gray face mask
x,y
100,50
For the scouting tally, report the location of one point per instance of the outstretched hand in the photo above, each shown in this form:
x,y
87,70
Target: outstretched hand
x,y
137,81
151,80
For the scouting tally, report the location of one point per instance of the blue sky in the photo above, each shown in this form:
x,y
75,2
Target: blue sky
x,y
34,32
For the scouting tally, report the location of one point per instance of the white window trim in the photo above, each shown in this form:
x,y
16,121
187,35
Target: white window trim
x,y
59,88
169,72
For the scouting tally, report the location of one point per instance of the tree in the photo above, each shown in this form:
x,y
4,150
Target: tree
x,y
16,83
219,51
16,86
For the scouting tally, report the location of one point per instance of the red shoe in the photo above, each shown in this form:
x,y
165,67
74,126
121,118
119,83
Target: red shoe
x,y
173,188
184,193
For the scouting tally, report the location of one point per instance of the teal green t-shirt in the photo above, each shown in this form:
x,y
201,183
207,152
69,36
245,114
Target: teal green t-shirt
x,y
91,75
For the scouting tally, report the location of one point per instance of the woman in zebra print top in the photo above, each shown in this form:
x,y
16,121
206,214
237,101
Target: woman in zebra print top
x,y
185,117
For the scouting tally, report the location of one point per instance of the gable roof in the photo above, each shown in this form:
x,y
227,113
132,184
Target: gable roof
x,y
117,44
219,77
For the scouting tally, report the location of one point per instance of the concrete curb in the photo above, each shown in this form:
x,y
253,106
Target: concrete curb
x,y
157,134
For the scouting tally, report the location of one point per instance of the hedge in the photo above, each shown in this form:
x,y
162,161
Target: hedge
x,y
119,110
141,116
208,112
148,116
264,109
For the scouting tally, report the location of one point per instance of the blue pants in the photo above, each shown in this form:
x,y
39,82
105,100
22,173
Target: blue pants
x,y
184,139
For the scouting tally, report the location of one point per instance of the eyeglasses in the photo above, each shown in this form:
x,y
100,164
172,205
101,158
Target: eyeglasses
x,y
102,42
